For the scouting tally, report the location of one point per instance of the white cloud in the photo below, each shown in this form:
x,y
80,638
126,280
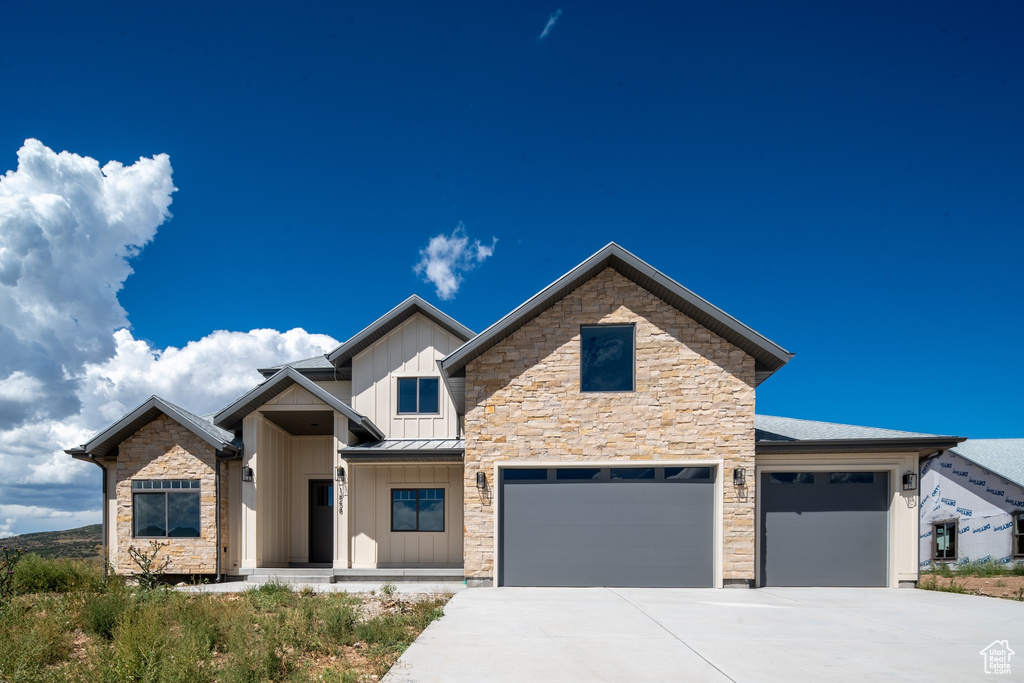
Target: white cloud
x,y
67,230
202,377
69,366
552,20
447,257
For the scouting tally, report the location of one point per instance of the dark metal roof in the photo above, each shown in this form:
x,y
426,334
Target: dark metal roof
x,y
768,355
405,450
392,319
231,417
106,441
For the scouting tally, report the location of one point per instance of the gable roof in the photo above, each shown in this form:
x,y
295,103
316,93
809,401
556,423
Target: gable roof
x,y
789,435
231,417
106,441
768,355
1002,457
392,319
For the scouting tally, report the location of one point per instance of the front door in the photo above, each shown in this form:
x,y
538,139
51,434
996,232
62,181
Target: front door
x,y
321,521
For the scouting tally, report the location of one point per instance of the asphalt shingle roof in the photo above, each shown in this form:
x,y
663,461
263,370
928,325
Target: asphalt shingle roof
x,y
1004,457
772,428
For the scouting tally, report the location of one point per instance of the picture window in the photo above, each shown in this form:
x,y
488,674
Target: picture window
x,y
417,509
607,357
166,508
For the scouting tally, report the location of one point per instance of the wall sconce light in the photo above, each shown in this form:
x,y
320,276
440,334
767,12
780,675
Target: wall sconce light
x,y
481,480
341,475
247,474
737,476
909,481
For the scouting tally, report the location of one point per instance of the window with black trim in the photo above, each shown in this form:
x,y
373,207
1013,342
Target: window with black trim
x,y
165,508
1018,534
944,543
419,395
417,509
607,357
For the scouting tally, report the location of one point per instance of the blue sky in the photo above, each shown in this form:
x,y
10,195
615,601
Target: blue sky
x,y
845,178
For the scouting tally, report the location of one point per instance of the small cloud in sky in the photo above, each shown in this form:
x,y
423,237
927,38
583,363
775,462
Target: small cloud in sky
x,y
552,20
447,257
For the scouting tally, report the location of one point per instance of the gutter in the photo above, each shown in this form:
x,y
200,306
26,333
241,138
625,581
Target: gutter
x,y
923,445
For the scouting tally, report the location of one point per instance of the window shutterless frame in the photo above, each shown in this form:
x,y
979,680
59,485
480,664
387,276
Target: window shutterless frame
x,y
166,508
418,395
417,510
607,357
1018,534
944,540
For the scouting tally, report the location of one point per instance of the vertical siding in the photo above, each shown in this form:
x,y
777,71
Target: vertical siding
x,y
250,537
375,545
273,483
311,459
296,396
410,350
231,482
339,390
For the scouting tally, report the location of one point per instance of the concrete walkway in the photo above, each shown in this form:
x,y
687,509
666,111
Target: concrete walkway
x,y
768,634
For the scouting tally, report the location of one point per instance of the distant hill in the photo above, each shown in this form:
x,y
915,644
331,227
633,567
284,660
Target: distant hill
x,y
81,543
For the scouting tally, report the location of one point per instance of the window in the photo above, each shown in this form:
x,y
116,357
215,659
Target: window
x,y
1018,534
419,395
687,473
851,477
417,509
944,547
165,508
791,478
606,357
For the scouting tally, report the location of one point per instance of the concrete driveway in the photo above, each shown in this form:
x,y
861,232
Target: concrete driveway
x,y
768,634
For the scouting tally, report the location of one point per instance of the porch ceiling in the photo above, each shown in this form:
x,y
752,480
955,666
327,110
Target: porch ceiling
x,y
302,422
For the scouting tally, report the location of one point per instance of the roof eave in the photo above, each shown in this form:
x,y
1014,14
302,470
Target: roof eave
x,y
922,445
415,304
770,358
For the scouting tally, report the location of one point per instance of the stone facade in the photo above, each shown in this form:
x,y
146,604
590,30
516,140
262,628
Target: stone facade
x,y
164,449
693,400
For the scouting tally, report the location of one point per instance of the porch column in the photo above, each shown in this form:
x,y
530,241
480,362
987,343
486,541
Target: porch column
x,y
342,520
250,433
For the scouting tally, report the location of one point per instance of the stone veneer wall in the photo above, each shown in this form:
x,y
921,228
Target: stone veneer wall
x,y
694,399
164,449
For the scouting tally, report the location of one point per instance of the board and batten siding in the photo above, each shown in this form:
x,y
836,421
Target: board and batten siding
x,y
311,459
375,545
410,350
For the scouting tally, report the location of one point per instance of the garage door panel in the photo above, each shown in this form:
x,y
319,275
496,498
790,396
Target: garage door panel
x,y
607,533
825,534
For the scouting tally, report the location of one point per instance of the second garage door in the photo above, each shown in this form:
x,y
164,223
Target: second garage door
x,y
607,526
824,528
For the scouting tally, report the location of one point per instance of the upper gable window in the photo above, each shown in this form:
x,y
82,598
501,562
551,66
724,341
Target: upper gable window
x,y
419,395
607,357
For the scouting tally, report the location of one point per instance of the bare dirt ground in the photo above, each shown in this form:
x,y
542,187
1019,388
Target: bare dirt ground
x,y
993,586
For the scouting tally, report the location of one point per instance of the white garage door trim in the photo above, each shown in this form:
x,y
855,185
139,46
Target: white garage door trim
x,y
494,486
825,465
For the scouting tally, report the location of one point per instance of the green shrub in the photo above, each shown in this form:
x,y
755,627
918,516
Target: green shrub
x,y
932,583
35,574
102,611
33,636
388,630
269,596
977,568
9,559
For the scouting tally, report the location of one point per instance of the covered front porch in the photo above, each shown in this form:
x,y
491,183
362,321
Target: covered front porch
x,y
320,502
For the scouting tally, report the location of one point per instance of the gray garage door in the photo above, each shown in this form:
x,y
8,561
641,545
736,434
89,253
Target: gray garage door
x,y
824,528
628,526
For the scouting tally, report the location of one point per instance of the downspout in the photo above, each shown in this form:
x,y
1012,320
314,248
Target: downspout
x,y
103,533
